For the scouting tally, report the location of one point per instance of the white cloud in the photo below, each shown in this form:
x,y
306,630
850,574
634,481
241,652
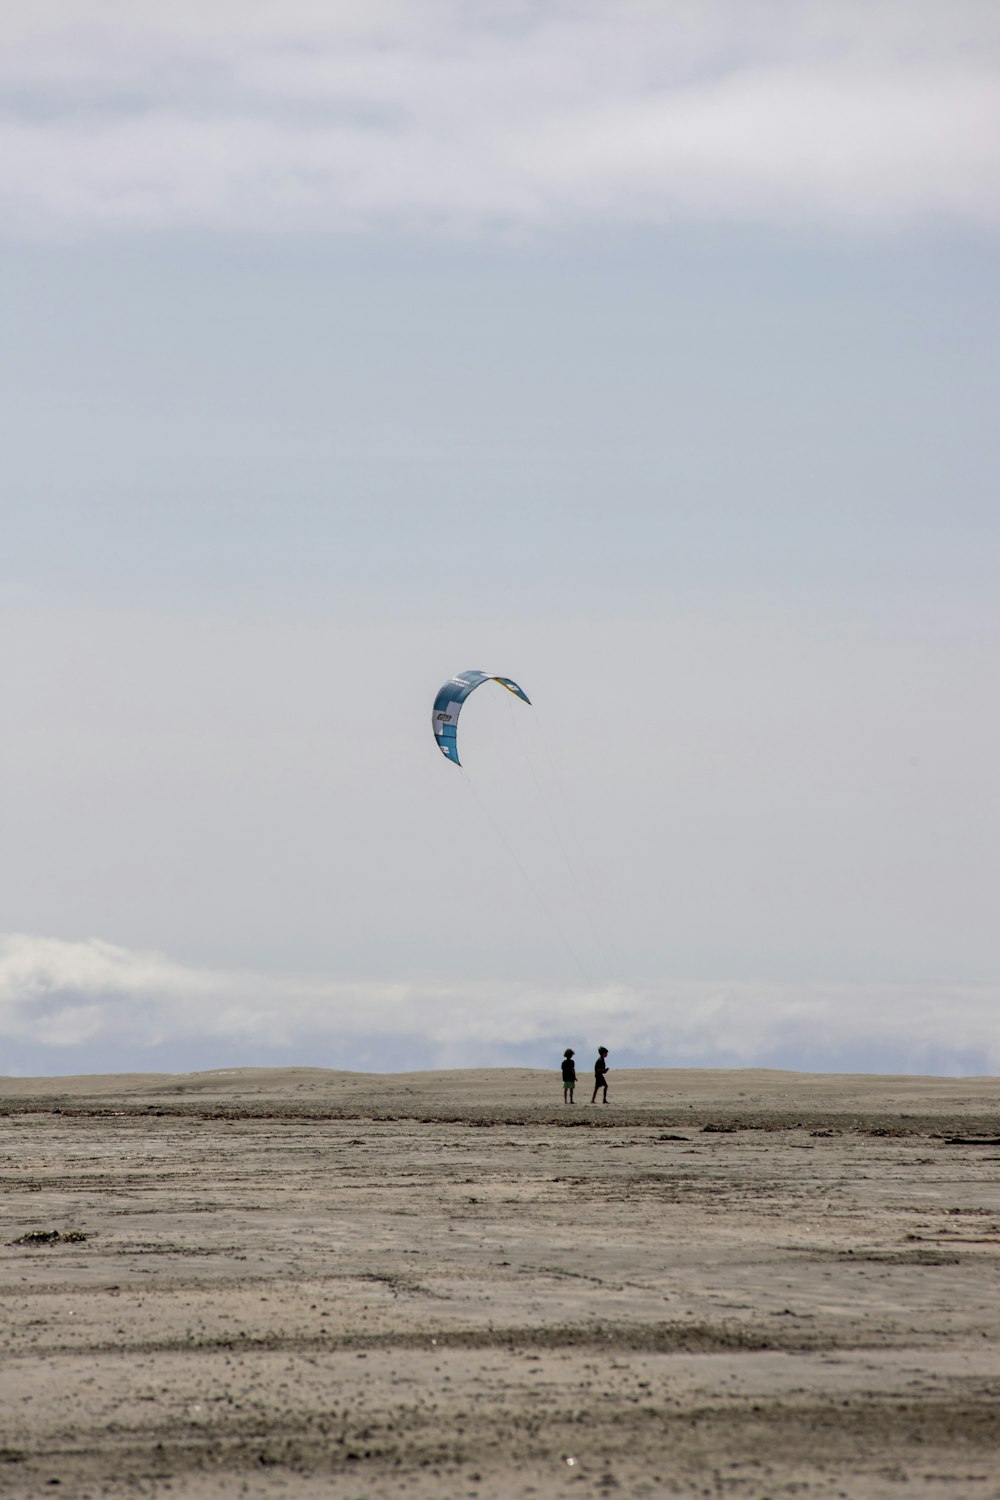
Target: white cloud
x,y
62,1000
460,118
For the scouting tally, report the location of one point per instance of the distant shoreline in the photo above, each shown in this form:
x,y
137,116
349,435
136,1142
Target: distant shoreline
x,y
669,1099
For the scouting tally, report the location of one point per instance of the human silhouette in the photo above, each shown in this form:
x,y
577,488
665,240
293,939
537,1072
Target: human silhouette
x,y
600,1075
569,1075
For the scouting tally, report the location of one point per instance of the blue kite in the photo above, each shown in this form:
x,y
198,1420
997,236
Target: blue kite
x,y
448,706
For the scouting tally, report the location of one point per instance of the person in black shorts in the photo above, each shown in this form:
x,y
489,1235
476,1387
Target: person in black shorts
x,y
600,1075
569,1075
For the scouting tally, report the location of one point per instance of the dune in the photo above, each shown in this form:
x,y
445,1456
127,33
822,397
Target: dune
x,y
296,1282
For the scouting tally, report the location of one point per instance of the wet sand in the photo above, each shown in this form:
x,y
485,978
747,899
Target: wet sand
x,y
299,1283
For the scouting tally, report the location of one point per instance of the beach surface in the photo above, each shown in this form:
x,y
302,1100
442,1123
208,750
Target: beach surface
x,y
294,1282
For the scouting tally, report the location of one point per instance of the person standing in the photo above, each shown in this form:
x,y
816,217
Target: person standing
x,y
600,1075
569,1075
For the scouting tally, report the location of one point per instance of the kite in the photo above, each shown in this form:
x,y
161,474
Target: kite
x,y
448,706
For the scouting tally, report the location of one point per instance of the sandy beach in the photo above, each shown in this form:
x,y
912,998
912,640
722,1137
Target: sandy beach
x,y
301,1283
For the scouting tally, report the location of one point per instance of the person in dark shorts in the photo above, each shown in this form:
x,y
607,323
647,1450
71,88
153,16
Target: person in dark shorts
x,y
569,1075
600,1075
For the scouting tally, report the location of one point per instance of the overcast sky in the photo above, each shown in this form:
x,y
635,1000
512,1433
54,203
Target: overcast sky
x,y
645,353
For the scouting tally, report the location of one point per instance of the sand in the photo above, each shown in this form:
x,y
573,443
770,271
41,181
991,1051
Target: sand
x,y
299,1283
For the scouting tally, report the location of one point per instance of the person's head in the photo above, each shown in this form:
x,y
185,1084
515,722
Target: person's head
x,y
568,1052
603,1051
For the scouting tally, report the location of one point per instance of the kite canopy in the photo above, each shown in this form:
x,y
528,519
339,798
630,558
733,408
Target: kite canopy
x,y
448,706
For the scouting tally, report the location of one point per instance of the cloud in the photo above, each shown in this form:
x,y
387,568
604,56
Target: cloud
x,y
463,119
93,1006
709,786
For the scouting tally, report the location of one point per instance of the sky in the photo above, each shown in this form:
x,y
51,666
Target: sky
x,y
644,353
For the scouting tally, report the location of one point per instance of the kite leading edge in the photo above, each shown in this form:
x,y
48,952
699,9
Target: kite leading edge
x,y
448,706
